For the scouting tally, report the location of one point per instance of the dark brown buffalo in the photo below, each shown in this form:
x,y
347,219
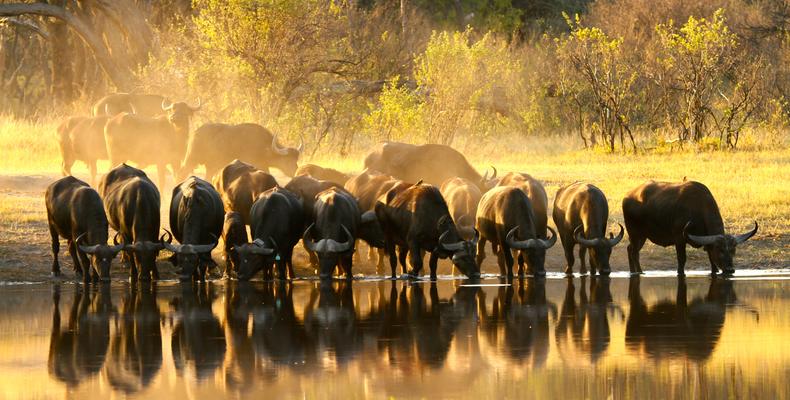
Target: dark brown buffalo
x,y
147,105
675,214
338,222
159,141
75,212
82,141
215,145
321,173
234,233
505,217
239,184
277,225
430,163
581,213
417,218
132,202
196,217
462,197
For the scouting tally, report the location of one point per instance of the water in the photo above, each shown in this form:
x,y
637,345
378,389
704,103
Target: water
x,y
650,337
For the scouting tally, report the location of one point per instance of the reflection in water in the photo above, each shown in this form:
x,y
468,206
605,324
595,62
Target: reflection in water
x,y
77,351
678,328
198,340
136,348
585,326
519,324
391,338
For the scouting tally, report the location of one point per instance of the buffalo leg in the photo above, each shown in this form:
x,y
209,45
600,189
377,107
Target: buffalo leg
x,y
680,249
713,268
86,269
403,252
481,251
75,258
133,266
433,264
290,263
415,259
55,250
346,262
92,169
520,259
282,269
567,248
583,261
393,257
507,253
633,253
65,166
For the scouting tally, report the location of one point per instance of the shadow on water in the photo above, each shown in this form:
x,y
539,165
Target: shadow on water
x,y
246,336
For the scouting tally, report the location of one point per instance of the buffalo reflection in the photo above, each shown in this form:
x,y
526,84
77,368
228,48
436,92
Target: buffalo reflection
x,y
78,352
519,321
136,347
585,326
678,328
197,340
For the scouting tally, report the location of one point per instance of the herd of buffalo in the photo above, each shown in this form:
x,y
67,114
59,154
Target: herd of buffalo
x,y
409,199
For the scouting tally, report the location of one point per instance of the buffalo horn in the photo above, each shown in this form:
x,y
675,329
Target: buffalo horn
x,y
301,144
745,236
258,247
166,105
197,107
579,236
612,241
702,240
450,246
276,147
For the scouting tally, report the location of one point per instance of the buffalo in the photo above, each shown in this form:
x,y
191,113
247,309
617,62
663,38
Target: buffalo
x,y
196,218
159,141
82,138
417,218
76,213
132,202
431,163
234,233
537,196
277,222
215,145
462,197
148,105
580,213
505,214
675,214
338,223
322,173
239,184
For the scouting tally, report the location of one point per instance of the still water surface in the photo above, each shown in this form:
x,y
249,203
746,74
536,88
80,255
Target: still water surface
x,y
649,337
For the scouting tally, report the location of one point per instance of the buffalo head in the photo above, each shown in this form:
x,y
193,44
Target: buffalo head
x,y
180,113
287,156
463,252
253,257
720,248
101,255
328,249
145,253
600,248
188,256
535,249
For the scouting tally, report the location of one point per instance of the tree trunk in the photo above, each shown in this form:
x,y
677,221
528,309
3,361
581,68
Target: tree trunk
x,y
120,75
62,89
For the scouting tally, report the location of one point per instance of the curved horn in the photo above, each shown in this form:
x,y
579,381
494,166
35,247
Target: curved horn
x,y
301,144
578,234
612,241
197,107
745,236
368,217
166,105
547,243
204,248
309,243
449,246
702,240
107,109
511,241
476,238
117,244
337,247
85,249
276,147
258,247
169,237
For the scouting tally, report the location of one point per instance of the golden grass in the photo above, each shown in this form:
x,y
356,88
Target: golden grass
x,y
748,185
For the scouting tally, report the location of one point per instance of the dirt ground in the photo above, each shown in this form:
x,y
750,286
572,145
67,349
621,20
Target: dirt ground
x,y
25,244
